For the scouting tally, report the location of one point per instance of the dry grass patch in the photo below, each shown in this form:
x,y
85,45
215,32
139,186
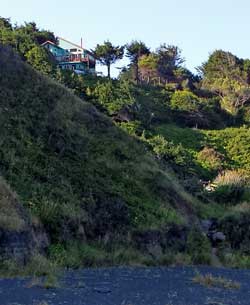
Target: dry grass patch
x,y
208,280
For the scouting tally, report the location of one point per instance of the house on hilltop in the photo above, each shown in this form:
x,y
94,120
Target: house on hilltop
x,y
71,56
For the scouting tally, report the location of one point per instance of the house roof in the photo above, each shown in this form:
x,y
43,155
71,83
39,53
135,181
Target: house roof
x,y
75,45
72,43
52,43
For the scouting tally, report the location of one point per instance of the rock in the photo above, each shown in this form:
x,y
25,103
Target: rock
x,y
102,290
218,237
156,242
155,250
206,225
107,217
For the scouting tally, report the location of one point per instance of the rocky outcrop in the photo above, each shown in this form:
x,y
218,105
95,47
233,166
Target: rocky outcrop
x,y
20,246
157,242
19,237
211,228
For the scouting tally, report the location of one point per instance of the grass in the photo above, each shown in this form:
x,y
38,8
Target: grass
x,y
232,142
190,139
210,281
10,212
43,272
71,166
76,171
37,266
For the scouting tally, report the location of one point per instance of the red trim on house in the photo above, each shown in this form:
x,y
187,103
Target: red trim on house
x,y
50,42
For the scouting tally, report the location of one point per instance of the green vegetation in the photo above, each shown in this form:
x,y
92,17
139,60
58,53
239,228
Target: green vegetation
x,y
75,170
107,54
199,248
228,76
10,213
95,158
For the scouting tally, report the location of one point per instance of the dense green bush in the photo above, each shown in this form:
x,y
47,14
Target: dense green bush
x,y
185,101
210,159
198,247
168,150
113,96
236,226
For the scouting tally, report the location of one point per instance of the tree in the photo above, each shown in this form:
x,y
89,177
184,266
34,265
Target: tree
x,y
113,97
227,76
135,50
5,23
40,59
148,65
38,36
6,32
169,61
107,54
24,37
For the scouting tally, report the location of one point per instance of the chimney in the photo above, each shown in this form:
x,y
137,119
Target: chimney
x,y
81,42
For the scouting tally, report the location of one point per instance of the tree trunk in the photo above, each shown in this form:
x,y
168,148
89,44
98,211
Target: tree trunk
x,y
108,66
136,73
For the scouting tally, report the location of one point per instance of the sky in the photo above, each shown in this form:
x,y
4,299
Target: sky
x,y
197,27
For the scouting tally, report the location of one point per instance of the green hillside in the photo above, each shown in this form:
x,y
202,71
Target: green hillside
x,y
126,170
73,168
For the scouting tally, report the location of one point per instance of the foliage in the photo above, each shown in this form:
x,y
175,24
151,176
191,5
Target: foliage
x,y
233,143
148,65
228,76
185,101
24,38
236,225
210,159
107,54
71,166
169,61
231,186
11,217
198,247
40,59
113,97
135,49
168,151
236,259
87,177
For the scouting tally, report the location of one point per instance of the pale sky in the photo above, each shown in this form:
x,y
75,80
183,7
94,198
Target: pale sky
x,y
198,27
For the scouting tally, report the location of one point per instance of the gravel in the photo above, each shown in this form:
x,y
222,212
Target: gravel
x,y
129,286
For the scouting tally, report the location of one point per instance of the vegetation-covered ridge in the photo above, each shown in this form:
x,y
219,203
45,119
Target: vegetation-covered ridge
x,y
112,164
82,176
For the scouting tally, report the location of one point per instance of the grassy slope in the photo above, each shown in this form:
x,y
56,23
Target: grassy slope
x,y
11,218
71,166
233,142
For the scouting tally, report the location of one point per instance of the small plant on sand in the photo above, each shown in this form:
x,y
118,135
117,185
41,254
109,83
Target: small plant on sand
x,y
210,281
45,273
51,281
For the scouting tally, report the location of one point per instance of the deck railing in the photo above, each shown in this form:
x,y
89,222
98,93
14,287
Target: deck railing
x,y
73,58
